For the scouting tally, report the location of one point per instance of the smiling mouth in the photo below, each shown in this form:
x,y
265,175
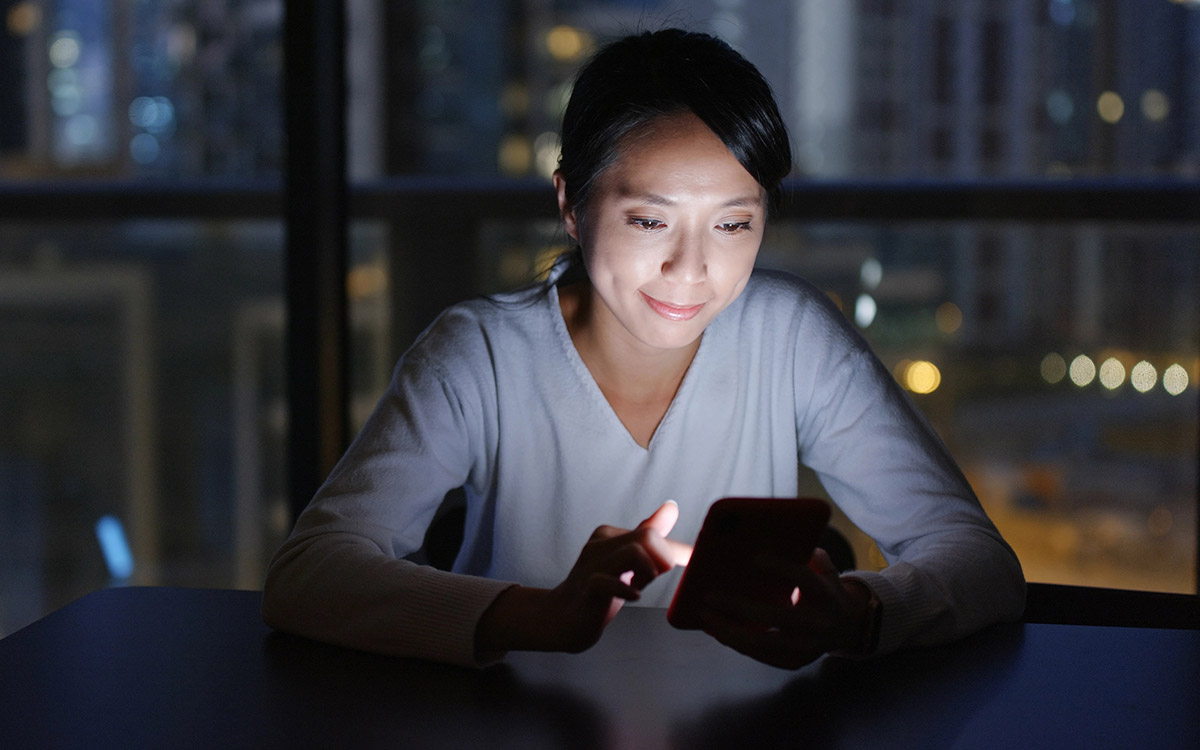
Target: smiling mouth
x,y
672,312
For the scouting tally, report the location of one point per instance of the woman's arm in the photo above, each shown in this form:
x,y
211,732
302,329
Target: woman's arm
x,y
341,577
949,571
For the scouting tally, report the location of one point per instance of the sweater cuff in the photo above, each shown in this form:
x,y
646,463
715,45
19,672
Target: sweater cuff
x,y
449,614
896,602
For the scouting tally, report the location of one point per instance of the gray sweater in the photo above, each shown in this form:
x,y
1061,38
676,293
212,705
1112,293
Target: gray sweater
x,y
494,397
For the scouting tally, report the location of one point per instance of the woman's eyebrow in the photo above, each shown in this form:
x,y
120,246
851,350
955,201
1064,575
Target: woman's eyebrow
x,y
654,199
746,201
628,193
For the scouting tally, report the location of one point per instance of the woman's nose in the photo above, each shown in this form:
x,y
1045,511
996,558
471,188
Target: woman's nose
x,y
685,263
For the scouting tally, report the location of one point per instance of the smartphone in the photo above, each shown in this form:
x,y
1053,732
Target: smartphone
x,y
736,530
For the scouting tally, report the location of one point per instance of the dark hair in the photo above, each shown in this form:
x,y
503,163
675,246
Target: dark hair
x,y
640,78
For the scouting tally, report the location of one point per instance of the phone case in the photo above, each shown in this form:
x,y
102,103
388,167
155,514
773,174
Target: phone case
x,y
736,530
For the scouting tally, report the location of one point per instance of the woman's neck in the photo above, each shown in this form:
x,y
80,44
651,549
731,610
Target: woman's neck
x,y
638,382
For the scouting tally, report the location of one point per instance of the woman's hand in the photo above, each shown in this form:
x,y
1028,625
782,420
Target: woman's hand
x,y
614,566
829,615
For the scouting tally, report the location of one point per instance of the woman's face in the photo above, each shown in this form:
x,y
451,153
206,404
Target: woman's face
x,y
670,234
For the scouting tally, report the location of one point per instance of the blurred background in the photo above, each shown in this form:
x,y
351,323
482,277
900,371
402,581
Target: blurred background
x,y
143,411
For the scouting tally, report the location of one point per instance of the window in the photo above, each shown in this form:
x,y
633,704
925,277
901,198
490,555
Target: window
x,y
1019,212
141,313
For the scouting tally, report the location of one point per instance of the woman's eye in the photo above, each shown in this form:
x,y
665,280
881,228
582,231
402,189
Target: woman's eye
x,y
733,227
646,224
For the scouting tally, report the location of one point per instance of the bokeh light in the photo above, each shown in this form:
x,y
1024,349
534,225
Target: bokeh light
x,y
65,49
1143,377
514,100
1054,368
1111,107
1062,12
1155,105
865,310
24,18
155,114
567,43
1175,379
871,273
948,318
515,157
922,377
82,130
144,148
1060,107
1082,370
1160,521
1112,373
546,152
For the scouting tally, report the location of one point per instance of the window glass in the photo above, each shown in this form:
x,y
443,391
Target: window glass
x,y
1060,363
142,394
870,89
171,88
141,362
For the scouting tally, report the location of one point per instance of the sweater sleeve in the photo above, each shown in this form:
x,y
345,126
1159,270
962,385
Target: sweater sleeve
x,y
341,577
949,571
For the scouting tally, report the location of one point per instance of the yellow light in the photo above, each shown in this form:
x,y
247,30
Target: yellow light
x,y
948,317
24,19
513,268
1155,105
514,100
545,261
366,281
922,377
1083,370
515,156
566,43
1160,521
1143,377
1111,107
1175,380
1054,368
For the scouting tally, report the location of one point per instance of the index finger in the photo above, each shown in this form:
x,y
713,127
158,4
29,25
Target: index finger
x,y
662,521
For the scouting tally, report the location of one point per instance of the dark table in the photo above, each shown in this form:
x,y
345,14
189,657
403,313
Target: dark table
x,y
175,668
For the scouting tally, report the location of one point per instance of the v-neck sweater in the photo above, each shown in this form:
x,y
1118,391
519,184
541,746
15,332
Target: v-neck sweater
x,y
494,398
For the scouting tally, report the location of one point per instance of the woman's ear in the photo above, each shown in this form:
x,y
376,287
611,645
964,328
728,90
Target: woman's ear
x,y
564,207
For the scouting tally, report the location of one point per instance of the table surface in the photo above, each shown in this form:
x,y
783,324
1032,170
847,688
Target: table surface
x,y
165,667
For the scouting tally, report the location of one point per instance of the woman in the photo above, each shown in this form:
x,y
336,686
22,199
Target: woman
x,y
654,372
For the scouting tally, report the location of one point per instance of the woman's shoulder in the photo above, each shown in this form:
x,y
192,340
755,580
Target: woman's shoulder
x,y
791,311
782,294
485,326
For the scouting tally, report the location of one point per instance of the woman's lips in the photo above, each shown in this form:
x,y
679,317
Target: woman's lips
x,y
672,312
